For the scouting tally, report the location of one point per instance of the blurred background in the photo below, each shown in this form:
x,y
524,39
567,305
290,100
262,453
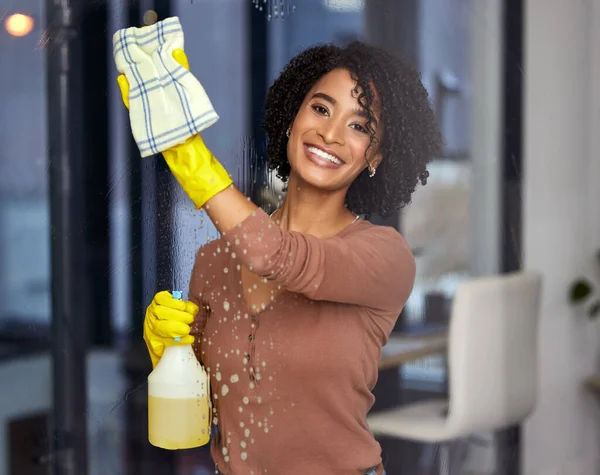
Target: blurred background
x,y
89,231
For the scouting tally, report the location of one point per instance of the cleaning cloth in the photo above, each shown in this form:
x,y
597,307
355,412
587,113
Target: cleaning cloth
x,y
167,104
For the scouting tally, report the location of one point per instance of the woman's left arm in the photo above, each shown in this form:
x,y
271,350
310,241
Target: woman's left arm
x,y
372,267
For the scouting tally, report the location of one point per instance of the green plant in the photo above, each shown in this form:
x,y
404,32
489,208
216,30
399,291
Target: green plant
x,y
583,291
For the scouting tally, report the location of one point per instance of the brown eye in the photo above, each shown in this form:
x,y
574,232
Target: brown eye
x,y
319,109
360,128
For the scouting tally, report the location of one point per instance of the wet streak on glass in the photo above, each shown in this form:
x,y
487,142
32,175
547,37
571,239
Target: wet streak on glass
x,y
68,454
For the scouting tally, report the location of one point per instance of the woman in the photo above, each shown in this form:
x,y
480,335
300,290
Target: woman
x,y
295,308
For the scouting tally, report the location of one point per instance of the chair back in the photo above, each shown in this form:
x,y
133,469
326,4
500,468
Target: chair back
x,y
493,351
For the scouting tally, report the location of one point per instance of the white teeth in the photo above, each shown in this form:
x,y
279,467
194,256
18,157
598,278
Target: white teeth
x,y
325,155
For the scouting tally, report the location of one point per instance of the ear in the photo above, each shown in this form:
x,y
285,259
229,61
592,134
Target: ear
x,y
376,161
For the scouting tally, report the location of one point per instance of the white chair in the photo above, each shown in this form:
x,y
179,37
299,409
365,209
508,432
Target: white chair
x,y
492,366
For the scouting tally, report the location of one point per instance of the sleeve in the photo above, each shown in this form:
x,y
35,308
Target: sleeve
x,y
373,267
196,292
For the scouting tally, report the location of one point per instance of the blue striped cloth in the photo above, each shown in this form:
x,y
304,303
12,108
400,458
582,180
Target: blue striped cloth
x,y
167,104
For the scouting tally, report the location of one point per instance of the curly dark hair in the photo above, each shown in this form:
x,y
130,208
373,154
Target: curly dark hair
x,y
410,136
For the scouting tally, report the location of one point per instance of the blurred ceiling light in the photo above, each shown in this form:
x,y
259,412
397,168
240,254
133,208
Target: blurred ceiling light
x,y
345,5
19,24
150,17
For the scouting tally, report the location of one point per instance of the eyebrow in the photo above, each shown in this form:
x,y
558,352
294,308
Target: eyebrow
x,y
326,97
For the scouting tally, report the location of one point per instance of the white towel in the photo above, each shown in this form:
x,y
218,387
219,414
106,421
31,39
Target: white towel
x,y
167,104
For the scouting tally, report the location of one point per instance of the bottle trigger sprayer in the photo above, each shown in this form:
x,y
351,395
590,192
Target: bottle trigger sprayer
x,y
179,408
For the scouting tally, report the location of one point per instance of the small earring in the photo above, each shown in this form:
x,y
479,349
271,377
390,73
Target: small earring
x,y
372,172
287,133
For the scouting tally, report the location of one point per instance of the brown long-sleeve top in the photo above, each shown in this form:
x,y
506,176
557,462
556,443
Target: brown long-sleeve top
x,y
291,385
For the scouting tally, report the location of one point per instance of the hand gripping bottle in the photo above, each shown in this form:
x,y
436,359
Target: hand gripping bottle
x,y
179,407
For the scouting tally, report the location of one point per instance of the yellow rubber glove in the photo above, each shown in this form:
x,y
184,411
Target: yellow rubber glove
x,y
194,166
167,318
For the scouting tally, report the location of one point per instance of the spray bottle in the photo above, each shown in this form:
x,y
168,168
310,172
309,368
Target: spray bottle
x,y
179,407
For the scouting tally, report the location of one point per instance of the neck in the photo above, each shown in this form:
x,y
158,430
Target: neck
x,y
312,211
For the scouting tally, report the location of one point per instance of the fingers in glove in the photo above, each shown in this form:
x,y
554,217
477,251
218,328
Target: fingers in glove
x,y
124,87
180,56
170,329
165,313
165,299
185,340
191,308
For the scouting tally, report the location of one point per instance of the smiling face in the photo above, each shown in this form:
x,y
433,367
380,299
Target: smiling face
x,y
329,136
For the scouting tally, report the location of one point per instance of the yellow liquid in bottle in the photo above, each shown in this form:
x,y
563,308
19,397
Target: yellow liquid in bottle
x,y
178,423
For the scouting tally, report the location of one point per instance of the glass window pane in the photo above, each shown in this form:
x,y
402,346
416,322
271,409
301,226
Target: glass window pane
x,y
236,48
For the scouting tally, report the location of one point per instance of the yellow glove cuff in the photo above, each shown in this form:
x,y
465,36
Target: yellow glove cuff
x,y
197,170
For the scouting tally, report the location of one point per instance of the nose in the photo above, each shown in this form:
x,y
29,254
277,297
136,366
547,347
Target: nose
x,y
332,131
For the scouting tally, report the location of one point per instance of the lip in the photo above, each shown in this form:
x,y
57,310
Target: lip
x,y
321,161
